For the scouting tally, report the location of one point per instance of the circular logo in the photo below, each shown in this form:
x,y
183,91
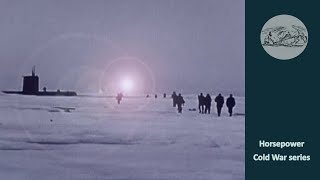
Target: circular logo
x,y
284,37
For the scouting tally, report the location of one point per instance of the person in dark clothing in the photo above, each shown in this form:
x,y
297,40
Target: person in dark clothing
x,y
231,102
174,98
208,101
119,97
164,95
219,101
201,103
180,102
156,96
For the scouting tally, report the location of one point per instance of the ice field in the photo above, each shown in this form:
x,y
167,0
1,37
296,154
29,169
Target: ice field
x,y
94,138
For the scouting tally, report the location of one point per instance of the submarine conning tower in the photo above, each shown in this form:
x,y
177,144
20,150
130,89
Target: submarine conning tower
x,y
31,83
31,87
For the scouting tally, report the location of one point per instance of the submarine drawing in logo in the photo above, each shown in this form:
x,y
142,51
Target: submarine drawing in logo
x,y
294,36
31,87
284,37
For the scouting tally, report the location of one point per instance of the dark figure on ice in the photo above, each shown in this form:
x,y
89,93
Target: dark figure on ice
x,y
219,101
231,102
156,96
207,104
180,102
201,103
164,95
174,98
119,97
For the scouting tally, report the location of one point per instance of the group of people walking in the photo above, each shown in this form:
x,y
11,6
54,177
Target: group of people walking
x,y
178,101
205,103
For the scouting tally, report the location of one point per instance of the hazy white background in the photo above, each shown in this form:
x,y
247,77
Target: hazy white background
x,y
188,45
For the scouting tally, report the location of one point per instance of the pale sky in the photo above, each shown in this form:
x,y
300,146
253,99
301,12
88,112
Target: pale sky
x,y
190,46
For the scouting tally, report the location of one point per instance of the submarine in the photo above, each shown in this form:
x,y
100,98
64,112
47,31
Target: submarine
x,y
31,87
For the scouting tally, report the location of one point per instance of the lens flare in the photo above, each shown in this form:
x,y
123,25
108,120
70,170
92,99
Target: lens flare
x,y
127,85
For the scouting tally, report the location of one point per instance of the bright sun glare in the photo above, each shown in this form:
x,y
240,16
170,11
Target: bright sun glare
x,y
127,85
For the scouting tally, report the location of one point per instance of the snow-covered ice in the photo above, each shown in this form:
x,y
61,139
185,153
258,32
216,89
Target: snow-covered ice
x,y
93,138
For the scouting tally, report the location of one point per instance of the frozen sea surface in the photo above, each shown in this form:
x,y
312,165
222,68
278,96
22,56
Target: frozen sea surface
x,y
93,138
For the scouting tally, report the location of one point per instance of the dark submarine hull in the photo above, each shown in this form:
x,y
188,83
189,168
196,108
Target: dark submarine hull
x,y
47,93
30,86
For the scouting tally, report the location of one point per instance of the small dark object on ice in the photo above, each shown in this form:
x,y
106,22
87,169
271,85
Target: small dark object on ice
x,y
66,109
51,120
192,109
